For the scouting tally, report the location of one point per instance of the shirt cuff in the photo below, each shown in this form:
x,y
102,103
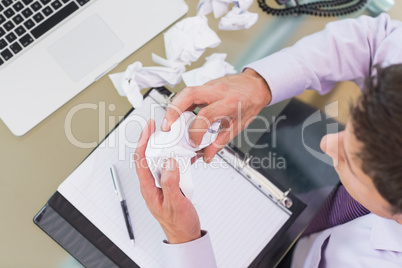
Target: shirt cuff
x,y
283,74
196,254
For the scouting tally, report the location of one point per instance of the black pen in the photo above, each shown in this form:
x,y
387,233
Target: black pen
x,y
123,203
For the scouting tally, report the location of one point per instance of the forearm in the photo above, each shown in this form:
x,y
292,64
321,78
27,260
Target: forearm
x,y
344,50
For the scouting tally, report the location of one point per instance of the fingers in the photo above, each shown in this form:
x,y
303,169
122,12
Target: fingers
x,y
203,121
145,177
220,142
144,137
199,154
229,129
170,180
180,103
192,107
189,97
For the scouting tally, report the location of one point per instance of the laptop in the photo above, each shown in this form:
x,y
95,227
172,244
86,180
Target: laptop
x,y
50,50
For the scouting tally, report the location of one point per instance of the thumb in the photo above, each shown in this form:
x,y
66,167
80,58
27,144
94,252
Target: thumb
x,y
170,180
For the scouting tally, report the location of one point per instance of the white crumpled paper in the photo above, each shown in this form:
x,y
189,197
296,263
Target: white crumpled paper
x,y
175,144
185,42
214,67
137,77
236,19
220,7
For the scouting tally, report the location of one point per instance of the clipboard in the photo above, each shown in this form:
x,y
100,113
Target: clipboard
x,y
84,241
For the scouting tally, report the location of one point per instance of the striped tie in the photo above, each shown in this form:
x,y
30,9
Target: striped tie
x,y
339,208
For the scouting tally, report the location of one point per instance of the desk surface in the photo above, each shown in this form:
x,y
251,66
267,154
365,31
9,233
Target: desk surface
x,y
34,165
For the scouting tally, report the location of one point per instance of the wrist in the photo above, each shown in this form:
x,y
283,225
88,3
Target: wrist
x,y
175,235
252,73
261,85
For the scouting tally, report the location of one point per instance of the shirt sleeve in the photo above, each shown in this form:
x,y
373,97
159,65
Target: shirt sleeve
x,y
195,254
344,50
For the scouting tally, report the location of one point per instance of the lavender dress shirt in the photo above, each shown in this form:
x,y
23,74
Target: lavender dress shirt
x,y
344,50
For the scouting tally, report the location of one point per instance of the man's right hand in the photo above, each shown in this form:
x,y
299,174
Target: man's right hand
x,y
235,100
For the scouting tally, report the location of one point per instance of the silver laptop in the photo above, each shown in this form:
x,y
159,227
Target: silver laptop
x,y
50,50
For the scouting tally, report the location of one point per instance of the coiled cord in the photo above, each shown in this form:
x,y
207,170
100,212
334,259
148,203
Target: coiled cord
x,y
320,8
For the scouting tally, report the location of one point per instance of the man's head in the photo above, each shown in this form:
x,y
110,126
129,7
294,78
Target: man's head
x,y
369,152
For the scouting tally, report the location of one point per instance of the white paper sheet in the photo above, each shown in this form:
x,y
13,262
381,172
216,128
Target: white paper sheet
x,y
241,220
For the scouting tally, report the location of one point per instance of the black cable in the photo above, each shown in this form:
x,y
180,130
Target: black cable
x,y
326,8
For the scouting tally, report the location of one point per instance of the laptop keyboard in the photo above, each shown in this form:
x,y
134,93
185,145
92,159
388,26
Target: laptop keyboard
x,y
24,21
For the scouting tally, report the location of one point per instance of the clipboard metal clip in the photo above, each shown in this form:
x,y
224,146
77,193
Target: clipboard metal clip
x,y
255,177
285,200
278,195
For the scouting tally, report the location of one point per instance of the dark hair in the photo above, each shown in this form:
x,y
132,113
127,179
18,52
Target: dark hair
x,y
377,124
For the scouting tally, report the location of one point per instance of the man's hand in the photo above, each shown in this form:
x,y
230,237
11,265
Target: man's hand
x,y
175,213
235,100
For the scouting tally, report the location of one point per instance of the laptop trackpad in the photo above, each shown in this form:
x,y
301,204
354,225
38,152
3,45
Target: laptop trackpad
x,y
85,47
